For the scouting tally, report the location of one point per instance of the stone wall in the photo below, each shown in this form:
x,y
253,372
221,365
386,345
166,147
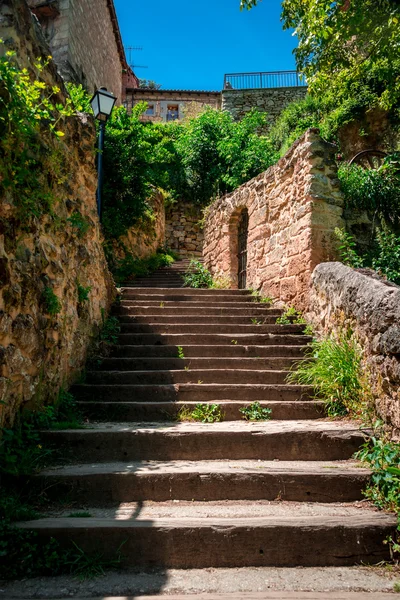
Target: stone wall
x,y
83,38
40,353
183,233
293,209
143,240
342,297
271,101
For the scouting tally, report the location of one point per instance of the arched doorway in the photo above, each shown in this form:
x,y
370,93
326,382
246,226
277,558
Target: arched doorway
x,y
243,230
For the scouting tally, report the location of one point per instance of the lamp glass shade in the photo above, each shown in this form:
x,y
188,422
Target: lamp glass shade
x,y
103,104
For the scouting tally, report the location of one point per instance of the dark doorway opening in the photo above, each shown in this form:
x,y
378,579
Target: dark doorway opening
x,y
242,249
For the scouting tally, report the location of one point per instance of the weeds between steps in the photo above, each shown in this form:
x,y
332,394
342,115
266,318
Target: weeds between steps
x,y
198,276
202,413
383,457
255,412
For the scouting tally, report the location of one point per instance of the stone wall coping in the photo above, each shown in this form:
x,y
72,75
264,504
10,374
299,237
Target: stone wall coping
x,y
262,90
373,303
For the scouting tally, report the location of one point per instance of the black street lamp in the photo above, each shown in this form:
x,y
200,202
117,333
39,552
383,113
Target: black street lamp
x,y
102,105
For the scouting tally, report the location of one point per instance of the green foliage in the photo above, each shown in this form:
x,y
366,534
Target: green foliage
x,y
258,297
83,292
197,276
130,267
197,160
294,120
79,223
110,331
374,190
255,412
51,303
180,352
333,367
347,249
203,413
80,99
30,110
22,451
383,257
149,84
383,457
348,49
291,315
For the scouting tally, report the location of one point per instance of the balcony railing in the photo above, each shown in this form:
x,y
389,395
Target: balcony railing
x,y
262,80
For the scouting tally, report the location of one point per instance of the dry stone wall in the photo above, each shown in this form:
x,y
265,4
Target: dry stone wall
x,y
344,298
271,101
183,232
293,210
40,353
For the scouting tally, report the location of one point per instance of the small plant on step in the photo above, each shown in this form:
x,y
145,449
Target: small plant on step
x,y
291,315
197,276
256,321
203,413
334,369
207,413
180,352
255,412
382,456
258,297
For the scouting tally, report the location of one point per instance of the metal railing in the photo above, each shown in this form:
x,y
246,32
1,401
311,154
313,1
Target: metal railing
x,y
263,80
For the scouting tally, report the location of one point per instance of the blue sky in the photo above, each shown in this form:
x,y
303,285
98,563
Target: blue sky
x,y
191,44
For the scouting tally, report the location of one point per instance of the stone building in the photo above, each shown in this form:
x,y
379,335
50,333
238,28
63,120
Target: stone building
x,y
86,44
171,105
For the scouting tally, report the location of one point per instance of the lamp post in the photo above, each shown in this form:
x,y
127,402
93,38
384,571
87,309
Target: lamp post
x,y
102,105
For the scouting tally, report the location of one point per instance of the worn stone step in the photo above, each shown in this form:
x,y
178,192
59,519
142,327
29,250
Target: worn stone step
x,y
103,484
191,392
230,376
335,537
168,363
232,339
177,319
234,440
255,310
168,411
212,351
191,292
185,295
211,328
193,304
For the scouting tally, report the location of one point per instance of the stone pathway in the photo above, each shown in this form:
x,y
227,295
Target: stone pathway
x,y
280,493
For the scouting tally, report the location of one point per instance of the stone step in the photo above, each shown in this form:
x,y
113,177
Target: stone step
x,y
255,310
210,351
191,392
174,319
191,292
184,339
104,484
234,440
168,411
172,363
239,538
190,302
230,376
185,295
228,328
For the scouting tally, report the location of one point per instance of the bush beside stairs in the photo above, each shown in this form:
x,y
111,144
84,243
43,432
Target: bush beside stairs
x,y
283,492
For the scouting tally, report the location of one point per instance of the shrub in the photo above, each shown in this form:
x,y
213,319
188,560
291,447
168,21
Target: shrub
x,y
79,223
197,276
333,368
83,292
130,267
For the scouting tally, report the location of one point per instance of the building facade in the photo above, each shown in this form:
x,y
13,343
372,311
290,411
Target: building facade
x,y
171,105
86,44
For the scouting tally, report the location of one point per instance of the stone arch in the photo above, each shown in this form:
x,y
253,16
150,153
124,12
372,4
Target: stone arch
x,y
235,220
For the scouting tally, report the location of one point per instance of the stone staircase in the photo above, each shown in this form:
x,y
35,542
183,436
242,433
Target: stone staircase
x,y
283,492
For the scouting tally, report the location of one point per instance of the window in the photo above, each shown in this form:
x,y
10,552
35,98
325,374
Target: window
x,y
172,112
150,110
